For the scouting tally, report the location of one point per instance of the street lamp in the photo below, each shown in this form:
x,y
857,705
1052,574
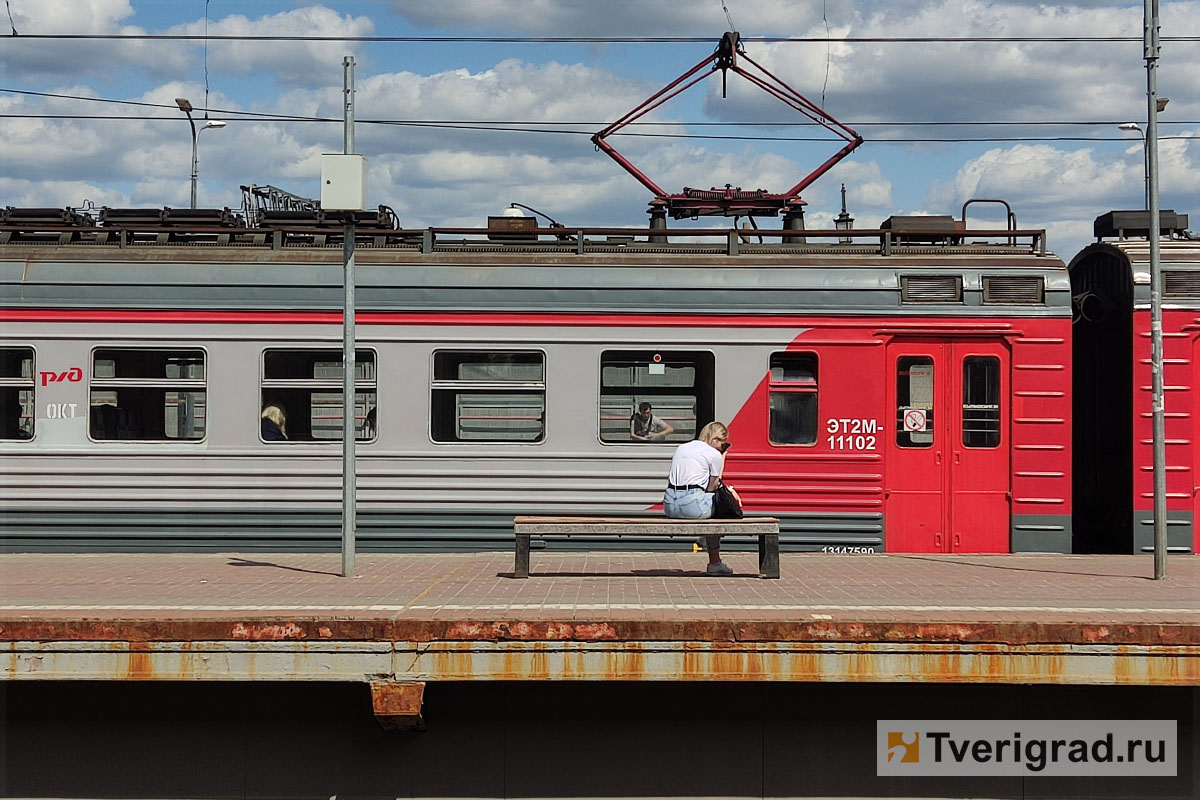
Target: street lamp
x,y
186,107
1133,126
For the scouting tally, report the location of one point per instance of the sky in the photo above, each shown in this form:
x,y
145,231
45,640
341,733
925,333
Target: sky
x,y
510,121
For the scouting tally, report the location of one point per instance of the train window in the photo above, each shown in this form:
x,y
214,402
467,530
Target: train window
x,y
679,386
981,401
16,393
144,394
488,396
792,393
307,386
914,401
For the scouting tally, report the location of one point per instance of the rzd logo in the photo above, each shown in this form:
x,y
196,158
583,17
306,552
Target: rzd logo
x,y
73,375
909,750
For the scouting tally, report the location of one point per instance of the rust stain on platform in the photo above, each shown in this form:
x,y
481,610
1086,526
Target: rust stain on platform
x,y
318,649
386,630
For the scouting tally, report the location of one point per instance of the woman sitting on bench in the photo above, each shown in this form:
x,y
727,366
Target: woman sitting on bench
x,y
695,472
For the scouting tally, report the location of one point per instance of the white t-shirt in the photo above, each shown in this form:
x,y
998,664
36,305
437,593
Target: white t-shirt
x,y
694,463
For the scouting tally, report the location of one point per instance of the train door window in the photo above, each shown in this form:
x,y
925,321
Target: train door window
x,y
16,393
914,401
792,395
677,385
488,396
981,401
306,385
144,394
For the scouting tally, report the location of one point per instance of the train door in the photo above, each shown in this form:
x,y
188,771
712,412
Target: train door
x,y
947,467
1195,392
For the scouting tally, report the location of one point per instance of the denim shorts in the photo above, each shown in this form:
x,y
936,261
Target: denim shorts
x,y
688,503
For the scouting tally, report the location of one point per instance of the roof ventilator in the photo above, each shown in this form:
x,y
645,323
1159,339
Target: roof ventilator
x,y
1180,284
931,289
1014,290
1136,224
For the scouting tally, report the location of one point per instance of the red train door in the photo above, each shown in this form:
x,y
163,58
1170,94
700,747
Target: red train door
x,y
947,468
1195,392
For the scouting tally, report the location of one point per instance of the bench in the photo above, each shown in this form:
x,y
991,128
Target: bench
x,y
765,528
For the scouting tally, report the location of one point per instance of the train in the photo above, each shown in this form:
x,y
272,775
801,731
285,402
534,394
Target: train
x,y
923,387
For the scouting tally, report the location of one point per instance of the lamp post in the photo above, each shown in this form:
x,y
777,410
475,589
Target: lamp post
x,y
1133,126
186,107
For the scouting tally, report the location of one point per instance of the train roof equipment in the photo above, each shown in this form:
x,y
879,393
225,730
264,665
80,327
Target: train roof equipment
x,y
281,230
729,201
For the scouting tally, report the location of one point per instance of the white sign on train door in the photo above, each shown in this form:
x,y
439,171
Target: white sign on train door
x,y
915,420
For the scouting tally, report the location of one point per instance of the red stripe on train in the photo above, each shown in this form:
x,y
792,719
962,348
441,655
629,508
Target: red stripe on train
x,y
390,318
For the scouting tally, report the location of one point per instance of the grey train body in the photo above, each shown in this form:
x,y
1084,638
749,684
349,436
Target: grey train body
x,y
230,490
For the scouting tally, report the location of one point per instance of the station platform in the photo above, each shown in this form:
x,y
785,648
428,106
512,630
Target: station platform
x,y
408,619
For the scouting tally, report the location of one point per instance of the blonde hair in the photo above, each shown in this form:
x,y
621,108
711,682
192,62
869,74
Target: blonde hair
x,y
713,430
276,415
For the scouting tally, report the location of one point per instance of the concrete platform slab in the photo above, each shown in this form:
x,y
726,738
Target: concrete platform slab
x,y
600,616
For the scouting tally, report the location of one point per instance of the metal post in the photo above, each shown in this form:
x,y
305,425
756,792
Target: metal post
x,y
1145,171
349,407
1152,51
195,162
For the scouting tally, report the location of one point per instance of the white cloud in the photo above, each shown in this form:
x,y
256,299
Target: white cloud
x,y
1063,189
289,62
612,18
58,194
23,57
68,16
511,90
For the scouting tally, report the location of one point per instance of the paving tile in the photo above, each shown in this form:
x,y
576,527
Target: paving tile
x,y
662,587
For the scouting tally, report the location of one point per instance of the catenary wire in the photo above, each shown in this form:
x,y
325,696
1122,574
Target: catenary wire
x,y
598,39
259,116
674,136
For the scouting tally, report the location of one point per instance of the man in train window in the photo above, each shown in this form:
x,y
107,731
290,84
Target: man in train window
x,y
645,427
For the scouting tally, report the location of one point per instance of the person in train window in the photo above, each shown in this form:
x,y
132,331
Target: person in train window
x,y
368,431
691,485
274,424
645,427
15,416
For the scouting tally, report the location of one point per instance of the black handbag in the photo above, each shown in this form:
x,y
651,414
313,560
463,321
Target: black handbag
x,y
725,503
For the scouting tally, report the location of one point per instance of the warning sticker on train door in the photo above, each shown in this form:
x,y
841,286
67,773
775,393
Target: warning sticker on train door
x,y
914,420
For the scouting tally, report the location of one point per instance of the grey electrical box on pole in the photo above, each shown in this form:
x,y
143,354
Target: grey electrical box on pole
x,y
344,188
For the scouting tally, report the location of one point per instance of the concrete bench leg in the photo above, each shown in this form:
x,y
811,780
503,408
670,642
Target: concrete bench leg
x,y
521,566
768,555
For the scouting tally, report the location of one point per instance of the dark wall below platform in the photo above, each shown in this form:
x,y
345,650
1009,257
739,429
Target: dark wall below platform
x,y
533,740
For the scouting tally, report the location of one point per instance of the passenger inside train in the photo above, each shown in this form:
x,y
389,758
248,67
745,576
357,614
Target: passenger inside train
x,y
274,424
13,416
644,426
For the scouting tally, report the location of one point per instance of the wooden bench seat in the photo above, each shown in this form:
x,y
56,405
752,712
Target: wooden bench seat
x,y
765,528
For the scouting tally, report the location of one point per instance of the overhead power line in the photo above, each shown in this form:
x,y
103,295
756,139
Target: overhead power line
x,y
512,128
504,124
594,39
560,127
260,116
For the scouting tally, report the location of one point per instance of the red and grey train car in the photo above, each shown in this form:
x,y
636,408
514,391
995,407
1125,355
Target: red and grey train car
x,y
1113,443
909,391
